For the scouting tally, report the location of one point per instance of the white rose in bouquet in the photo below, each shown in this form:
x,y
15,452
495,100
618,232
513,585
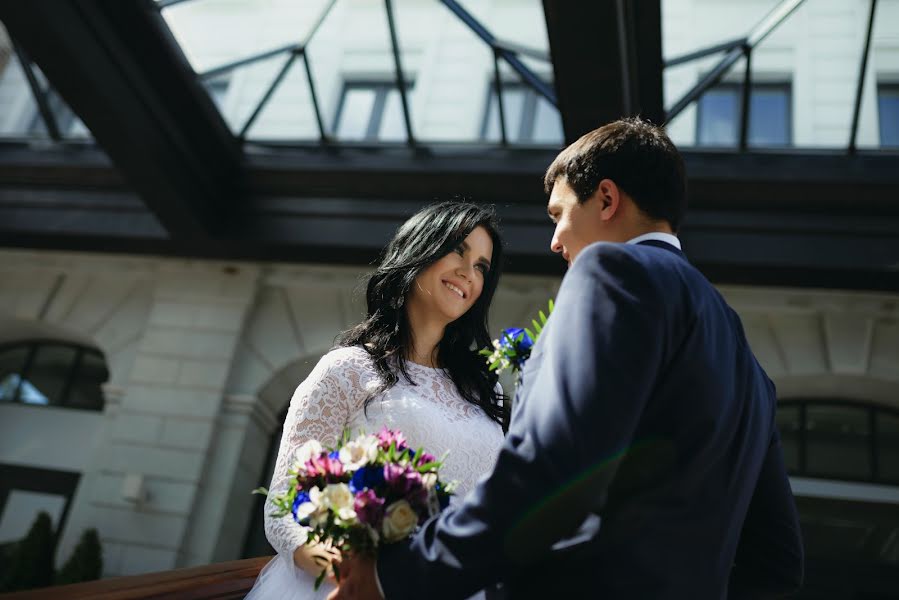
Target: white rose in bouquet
x,y
399,521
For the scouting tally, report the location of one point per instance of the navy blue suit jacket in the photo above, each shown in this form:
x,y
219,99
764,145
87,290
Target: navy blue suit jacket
x,y
642,459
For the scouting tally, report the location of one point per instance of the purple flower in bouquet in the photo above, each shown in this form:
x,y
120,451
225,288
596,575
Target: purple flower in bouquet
x,y
387,437
402,479
425,458
369,508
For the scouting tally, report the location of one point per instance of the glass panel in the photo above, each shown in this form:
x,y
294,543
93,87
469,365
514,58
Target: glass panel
x,y
218,89
355,113
838,441
788,424
12,363
514,98
547,124
453,70
214,32
289,113
520,22
888,447
393,125
17,105
718,117
48,374
769,117
65,118
245,89
491,130
888,115
85,391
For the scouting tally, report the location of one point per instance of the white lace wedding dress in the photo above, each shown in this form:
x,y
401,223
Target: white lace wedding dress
x,y
431,414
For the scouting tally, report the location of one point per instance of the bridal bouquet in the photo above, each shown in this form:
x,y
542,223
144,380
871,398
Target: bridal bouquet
x,y
514,345
368,491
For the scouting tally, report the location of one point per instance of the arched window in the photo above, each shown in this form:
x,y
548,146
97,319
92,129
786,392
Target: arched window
x,y
840,439
52,373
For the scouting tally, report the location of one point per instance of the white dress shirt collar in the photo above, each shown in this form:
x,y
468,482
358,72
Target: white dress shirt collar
x,y
659,236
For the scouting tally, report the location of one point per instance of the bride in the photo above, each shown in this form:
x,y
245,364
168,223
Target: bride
x,y
411,365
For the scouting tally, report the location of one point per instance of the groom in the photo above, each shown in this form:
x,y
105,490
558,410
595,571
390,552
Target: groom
x,y
643,460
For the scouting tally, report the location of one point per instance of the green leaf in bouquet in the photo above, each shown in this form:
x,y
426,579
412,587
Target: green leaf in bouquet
x,y
428,467
537,326
530,334
495,364
260,490
485,351
320,579
344,438
552,305
542,317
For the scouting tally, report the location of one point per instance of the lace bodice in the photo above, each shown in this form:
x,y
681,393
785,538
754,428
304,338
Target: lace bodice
x,y
432,414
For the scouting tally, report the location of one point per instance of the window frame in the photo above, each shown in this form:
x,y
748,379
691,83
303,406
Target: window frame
x,y
872,410
737,88
40,480
32,347
528,112
382,89
891,85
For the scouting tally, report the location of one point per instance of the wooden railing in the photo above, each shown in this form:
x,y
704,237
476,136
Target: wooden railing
x,y
221,581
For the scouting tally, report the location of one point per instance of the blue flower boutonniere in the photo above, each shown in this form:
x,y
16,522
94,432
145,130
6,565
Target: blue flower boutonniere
x,y
514,345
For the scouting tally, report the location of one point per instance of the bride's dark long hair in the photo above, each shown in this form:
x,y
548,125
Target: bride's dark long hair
x,y
425,238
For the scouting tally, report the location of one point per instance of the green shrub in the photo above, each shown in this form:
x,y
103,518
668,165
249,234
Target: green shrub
x,y
28,563
31,561
86,562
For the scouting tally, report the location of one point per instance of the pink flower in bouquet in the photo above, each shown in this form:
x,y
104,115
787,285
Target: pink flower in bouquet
x,y
325,466
369,508
387,437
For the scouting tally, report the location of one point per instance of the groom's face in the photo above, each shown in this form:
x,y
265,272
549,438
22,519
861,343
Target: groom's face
x,y
578,224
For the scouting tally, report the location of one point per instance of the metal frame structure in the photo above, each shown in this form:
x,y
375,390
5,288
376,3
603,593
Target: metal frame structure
x,y
172,179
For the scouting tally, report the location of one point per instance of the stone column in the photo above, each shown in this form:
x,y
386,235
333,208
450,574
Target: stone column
x,y
141,489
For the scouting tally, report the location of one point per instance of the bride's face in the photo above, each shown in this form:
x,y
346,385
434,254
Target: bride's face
x,y
451,286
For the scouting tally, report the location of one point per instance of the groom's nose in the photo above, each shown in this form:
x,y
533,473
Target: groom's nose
x,y
555,244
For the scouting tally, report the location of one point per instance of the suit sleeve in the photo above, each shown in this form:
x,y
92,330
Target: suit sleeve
x,y
769,558
581,403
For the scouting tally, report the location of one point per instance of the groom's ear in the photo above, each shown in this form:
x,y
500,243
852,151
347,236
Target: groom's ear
x,y
609,196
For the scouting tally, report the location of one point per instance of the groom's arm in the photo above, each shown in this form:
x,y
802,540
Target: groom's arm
x,y
769,559
581,405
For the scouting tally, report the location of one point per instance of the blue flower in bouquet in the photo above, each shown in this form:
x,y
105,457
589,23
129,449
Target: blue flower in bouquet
x,y
367,477
300,498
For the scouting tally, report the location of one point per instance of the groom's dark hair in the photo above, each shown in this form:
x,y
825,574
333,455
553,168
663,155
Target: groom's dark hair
x,y
638,156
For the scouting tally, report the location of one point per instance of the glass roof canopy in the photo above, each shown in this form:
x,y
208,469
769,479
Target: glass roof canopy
x,y
443,72
353,71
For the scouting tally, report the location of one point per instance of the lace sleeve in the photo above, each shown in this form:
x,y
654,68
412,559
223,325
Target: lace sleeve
x,y
320,408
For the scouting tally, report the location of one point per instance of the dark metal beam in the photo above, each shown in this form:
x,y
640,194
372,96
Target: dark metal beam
x,y
117,66
757,219
600,77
